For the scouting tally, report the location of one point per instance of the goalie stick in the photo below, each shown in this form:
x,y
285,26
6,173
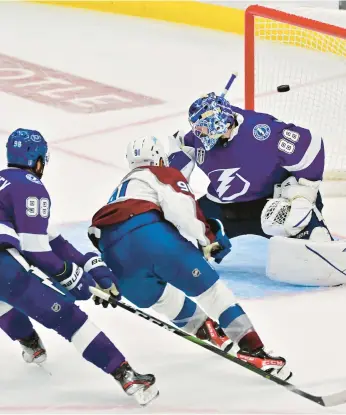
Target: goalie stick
x,y
333,399
229,84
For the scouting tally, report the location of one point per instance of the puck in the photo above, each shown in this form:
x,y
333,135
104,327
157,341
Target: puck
x,y
283,88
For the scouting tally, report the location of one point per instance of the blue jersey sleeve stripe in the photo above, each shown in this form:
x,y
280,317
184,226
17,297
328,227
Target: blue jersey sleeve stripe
x,y
114,195
123,188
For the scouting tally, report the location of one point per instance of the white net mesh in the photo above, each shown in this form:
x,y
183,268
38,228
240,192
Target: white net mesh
x,y
314,65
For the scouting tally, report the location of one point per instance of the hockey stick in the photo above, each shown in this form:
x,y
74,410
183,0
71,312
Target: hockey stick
x,y
229,84
327,400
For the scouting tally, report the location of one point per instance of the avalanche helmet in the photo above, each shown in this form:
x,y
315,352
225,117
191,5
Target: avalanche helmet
x,y
146,151
210,117
25,147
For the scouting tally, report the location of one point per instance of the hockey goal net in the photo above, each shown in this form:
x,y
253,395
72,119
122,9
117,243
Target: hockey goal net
x,y
309,54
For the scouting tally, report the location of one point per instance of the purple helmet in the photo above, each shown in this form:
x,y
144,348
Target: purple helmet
x,y
210,117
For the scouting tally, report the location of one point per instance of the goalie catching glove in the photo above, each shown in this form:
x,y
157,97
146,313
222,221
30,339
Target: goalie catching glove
x,y
104,277
293,212
302,197
221,246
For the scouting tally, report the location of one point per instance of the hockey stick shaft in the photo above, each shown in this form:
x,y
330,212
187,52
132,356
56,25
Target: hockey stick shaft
x,y
328,400
229,84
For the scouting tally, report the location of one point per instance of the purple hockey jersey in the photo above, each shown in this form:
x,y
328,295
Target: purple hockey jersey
x,y
261,152
24,216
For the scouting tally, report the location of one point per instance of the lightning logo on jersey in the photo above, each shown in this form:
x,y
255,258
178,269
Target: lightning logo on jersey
x,y
226,178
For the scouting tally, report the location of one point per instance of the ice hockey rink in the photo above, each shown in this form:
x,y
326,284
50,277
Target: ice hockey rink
x,y
155,70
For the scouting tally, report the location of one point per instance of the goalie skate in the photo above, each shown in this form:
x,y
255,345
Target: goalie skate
x,y
140,387
33,349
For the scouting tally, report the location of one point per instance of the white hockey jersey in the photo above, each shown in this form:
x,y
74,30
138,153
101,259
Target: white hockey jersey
x,y
164,189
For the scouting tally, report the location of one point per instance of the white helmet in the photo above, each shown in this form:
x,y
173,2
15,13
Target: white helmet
x,y
146,151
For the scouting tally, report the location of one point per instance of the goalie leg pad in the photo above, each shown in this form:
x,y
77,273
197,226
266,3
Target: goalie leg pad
x,y
303,262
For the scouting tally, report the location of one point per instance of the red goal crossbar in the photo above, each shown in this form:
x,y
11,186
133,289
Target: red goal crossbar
x,y
283,17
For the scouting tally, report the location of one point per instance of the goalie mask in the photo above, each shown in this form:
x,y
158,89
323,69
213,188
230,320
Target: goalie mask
x,y
210,118
274,215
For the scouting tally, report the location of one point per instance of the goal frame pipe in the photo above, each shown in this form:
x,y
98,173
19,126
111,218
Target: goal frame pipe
x,y
283,17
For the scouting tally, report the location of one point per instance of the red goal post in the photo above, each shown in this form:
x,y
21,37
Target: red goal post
x,y
310,56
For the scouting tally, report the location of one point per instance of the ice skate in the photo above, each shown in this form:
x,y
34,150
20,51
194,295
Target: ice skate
x,y
211,331
275,365
33,349
141,387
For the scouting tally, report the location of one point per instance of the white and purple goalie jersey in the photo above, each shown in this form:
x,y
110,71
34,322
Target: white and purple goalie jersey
x,y
24,216
261,152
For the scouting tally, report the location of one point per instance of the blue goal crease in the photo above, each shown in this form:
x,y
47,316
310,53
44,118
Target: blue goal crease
x,y
243,270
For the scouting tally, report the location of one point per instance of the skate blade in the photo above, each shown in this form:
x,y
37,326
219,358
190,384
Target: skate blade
x,y
44,368
146,396
283,374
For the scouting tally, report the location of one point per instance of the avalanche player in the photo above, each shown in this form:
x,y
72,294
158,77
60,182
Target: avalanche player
x,y
251,157
26,249
139,233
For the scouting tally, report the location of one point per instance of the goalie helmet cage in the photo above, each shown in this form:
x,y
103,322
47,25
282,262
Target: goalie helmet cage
x,y
310,56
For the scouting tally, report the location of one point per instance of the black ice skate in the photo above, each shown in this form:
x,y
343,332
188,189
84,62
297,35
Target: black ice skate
x,y
275,365
33,349
211,331
141,387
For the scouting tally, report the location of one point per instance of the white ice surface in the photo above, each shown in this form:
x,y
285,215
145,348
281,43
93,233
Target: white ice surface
x,y
175,64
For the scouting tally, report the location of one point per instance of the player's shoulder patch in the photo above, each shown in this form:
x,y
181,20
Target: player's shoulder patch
x,y
261,132
200,155
33,179
20,176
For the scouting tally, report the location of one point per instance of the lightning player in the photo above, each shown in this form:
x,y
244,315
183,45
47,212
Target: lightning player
x,y
139,233
27,251
251,157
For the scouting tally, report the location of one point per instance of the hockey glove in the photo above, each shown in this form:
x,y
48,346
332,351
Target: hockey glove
x,y
104,277
75,280
224,244
302,197
208,250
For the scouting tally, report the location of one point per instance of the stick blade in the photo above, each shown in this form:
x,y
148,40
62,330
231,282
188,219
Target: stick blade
x,y
334,399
